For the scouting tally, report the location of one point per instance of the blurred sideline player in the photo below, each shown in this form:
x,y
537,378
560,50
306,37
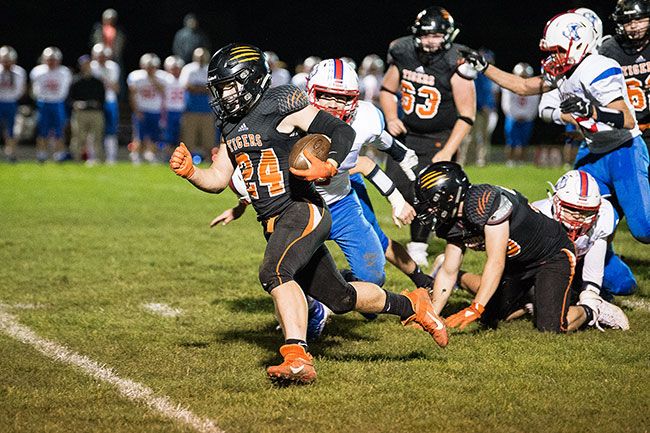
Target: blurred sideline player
x,y
520,113
439,104
12,87
108,71
174,102
147,97
295,220
50,86
595,99
197,124
523,247
589,221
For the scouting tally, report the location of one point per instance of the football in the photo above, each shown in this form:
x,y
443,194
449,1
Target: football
x,y
317,144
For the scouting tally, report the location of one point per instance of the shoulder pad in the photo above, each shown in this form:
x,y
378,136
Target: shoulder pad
x,y
481,202
399,48
452,56
285,100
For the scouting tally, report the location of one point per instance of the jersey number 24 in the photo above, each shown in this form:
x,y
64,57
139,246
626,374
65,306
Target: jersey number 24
x,y
268,173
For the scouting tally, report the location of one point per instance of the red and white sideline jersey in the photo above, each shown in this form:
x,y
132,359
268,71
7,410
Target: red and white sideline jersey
x,y
109,73
521,108
50,85
12,83
174,94
592,246
368,123
147,96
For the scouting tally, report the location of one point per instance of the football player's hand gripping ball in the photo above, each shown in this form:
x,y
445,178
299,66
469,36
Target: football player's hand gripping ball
x,y
181,162
466,316
318,170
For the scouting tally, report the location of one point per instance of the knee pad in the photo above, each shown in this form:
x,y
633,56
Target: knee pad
x,y
342,300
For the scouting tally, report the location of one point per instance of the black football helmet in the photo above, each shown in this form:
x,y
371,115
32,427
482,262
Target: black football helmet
x,y
626,11
440,189
431,20
246,67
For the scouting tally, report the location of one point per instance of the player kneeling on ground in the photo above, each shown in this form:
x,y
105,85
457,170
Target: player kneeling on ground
x,y
589,220
260,126
524,248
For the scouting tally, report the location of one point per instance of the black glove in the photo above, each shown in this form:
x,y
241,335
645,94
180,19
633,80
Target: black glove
x,y
473,58
576,105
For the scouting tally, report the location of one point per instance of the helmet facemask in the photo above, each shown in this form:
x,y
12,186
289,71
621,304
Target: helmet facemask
x,y
333,86
576,202
240,93
626,12
440,208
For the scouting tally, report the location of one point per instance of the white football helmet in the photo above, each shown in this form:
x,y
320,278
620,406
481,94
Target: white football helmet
x,y
596,22
576,201
8,54
569,37
101,50
51,53
334,77
149,60
172,62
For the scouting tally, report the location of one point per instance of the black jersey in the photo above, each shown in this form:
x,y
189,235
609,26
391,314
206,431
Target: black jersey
x,y
262,153
533,237
427,98
636,70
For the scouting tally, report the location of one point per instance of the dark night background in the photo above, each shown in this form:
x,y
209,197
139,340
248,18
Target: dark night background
x,y
293,29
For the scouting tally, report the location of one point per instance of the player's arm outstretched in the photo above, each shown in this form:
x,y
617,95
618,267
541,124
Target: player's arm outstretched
x,y
403,213
213,179
496,242
519,85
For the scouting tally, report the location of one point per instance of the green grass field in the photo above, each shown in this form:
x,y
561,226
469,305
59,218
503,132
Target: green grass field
x,y
85,251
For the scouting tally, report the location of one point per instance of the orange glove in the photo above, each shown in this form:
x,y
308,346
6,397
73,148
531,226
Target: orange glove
x,y
318,171
181,162
466,316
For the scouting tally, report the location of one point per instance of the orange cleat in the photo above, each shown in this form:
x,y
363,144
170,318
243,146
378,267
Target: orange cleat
x,y
425,316
298,366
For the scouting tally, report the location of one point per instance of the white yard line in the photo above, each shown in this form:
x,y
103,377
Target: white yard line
x,y
132,390
636,304
162,309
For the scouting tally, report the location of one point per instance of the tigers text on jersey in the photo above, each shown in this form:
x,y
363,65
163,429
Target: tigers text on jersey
x,y
636,70
599,80
50,85
427,98
148,98
533,236
262,152
12,83
368,124
109,73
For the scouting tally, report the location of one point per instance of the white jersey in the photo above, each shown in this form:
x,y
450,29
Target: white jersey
x,y
147,96
109,74
592,246
520,108
368,124
599,80
50,85
193,74
12,83
174,94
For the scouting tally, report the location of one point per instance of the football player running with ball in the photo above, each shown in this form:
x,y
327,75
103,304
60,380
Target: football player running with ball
x,y
595,99
437,98
260,126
